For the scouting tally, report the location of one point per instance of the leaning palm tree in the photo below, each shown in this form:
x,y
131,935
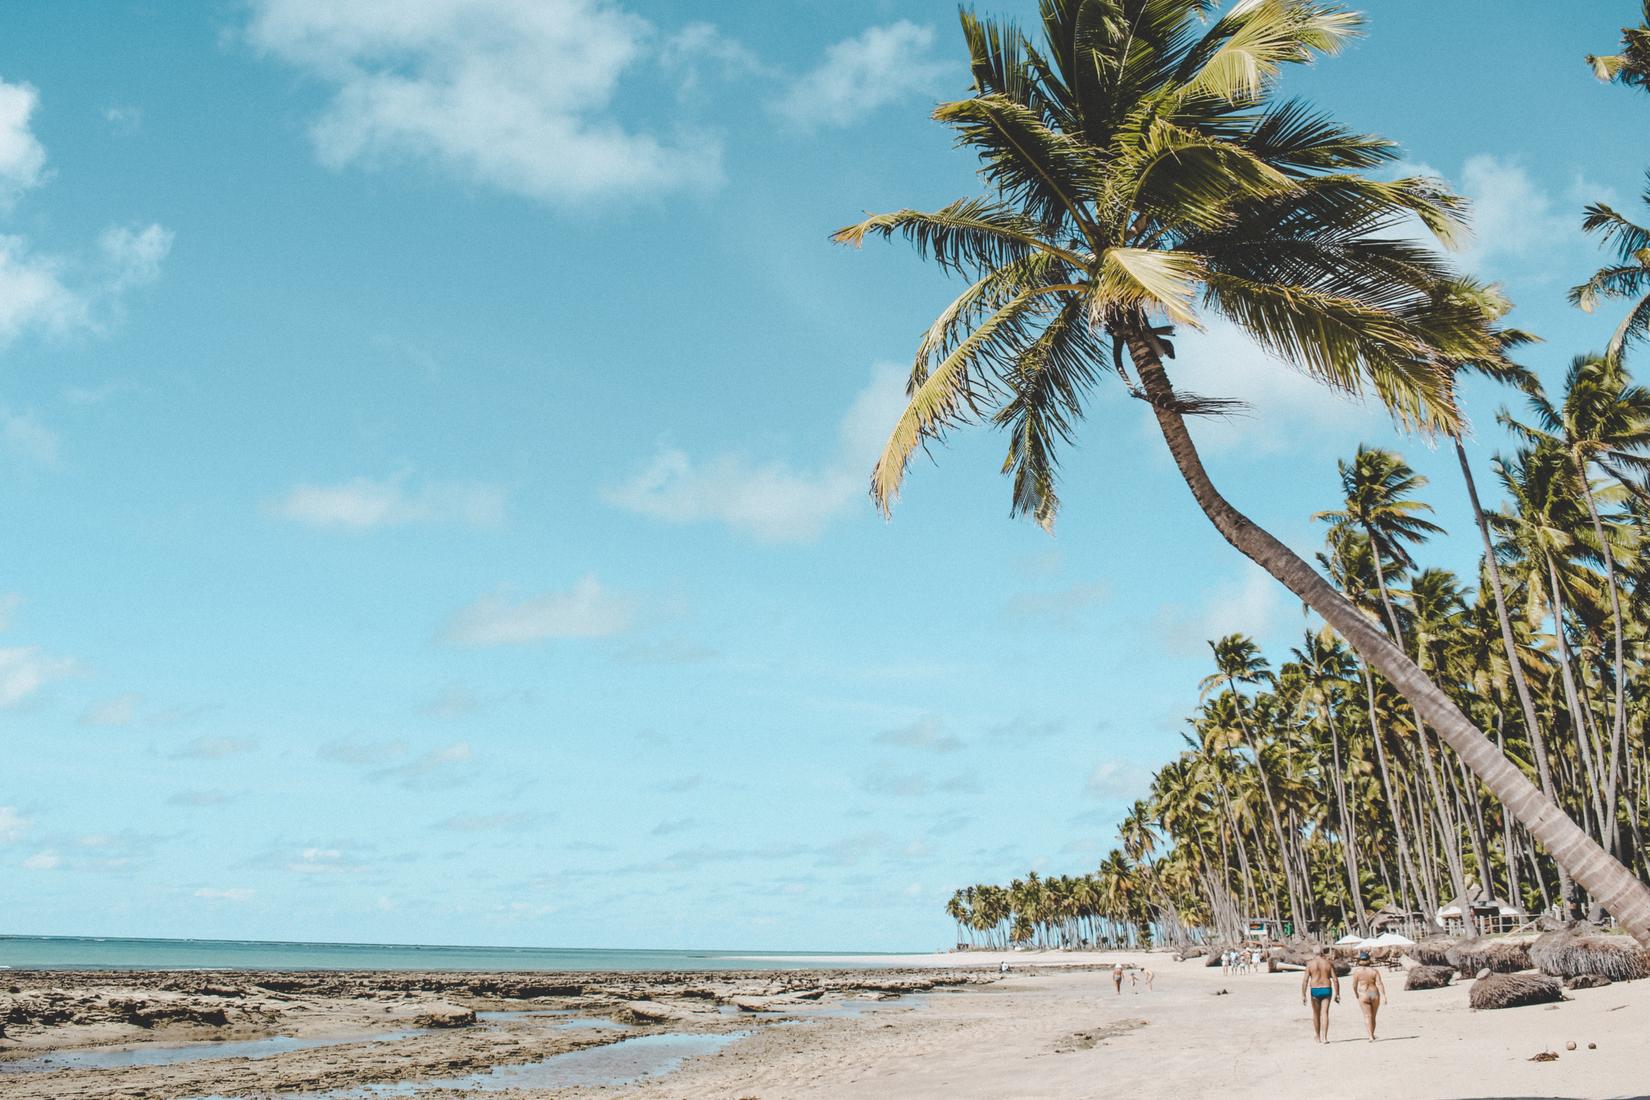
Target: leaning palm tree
x,y
1141,174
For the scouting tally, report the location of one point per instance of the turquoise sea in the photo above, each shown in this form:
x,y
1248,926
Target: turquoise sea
x,y
99,953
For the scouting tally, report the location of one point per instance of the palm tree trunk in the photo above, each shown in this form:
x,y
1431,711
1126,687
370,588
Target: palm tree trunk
x,y
1612,884
1618,728
1538,740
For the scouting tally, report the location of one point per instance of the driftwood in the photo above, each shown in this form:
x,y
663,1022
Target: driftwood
x,y
1429,977
1570,953
1514,991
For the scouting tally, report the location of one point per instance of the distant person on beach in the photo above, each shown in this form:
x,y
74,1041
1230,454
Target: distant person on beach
x,y
1225,962
1117,977
1369,989
1319,981
1138,976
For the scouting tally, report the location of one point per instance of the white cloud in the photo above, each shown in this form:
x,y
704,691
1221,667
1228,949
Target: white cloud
x,y
9,603
43,861
48,293
12,825
320,861
232,893
1285,408
134,254
22,159
512,94
861,74
363,504
24,670
118,711
925,733
769,499
587,610
1115,781
25,437
1253,603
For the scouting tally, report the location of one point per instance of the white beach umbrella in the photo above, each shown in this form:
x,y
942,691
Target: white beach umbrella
x,y
1348,939
1389,939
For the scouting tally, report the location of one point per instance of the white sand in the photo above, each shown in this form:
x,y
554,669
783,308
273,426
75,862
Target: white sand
x,y
1054,1033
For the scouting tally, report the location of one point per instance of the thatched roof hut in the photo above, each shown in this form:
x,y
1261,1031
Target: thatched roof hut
x,y
1496,956
1477,909
1429,977
1514,991
1571,952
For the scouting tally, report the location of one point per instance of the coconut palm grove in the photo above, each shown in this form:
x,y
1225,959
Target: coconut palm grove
x,y
1433,739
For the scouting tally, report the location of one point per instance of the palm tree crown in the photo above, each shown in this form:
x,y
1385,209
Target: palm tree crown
x,y
1138,168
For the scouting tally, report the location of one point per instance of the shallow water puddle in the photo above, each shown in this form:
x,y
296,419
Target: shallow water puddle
x,y
155,1054
620,1063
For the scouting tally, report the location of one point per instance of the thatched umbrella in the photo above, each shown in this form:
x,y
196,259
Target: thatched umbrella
x,y
1586,981
1570,952
1429,977
1496,956
1432,951
1514,991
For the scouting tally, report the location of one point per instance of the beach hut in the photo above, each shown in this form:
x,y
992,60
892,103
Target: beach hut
x,y
1477,911
1390,918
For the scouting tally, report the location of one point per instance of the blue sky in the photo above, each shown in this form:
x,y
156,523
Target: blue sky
x,y
432,451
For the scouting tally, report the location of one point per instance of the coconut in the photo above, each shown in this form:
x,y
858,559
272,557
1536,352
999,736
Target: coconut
x,y
1514,991
1570,953
1429,977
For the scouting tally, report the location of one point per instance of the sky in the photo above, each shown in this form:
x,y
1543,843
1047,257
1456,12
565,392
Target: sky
x,y
433,449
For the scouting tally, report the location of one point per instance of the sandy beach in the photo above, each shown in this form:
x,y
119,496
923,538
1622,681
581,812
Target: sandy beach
x,y
1052,1027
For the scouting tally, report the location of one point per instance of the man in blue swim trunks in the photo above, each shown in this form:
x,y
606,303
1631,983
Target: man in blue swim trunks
x,y
1318,983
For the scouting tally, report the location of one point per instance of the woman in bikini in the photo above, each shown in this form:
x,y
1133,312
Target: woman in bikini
x,y
1369,989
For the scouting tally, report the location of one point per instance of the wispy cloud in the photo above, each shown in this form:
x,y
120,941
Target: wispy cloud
x,y
439,768
1062,608
364,504
118,711
229,893
1116,781
859,75
928,734
587,610
26,438
12,825
214,748
512,94
24,670
764,497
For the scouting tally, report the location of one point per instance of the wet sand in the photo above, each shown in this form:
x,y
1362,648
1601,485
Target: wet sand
x,y
1051,1028
378,1028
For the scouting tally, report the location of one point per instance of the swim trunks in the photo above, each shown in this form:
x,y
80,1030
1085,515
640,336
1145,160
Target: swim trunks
x,y
1321,992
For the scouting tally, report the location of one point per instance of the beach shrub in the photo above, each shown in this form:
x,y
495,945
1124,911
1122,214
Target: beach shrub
x,y
1429,977
1514,991
1586,981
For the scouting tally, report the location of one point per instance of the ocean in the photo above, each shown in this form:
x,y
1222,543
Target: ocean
x,y
113,953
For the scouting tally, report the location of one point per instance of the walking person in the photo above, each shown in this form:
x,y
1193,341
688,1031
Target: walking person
x,y
1369,990
1319,981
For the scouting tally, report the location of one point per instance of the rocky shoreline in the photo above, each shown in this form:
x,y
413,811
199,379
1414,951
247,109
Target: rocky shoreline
x,y
382,1027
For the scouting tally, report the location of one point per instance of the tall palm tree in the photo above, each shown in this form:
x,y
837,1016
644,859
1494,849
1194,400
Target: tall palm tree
x,y
1627,277
1377,485
1139,167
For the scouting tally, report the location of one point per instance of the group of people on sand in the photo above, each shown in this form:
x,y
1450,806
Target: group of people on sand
x,y
1137,975
1320,983
1248,959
